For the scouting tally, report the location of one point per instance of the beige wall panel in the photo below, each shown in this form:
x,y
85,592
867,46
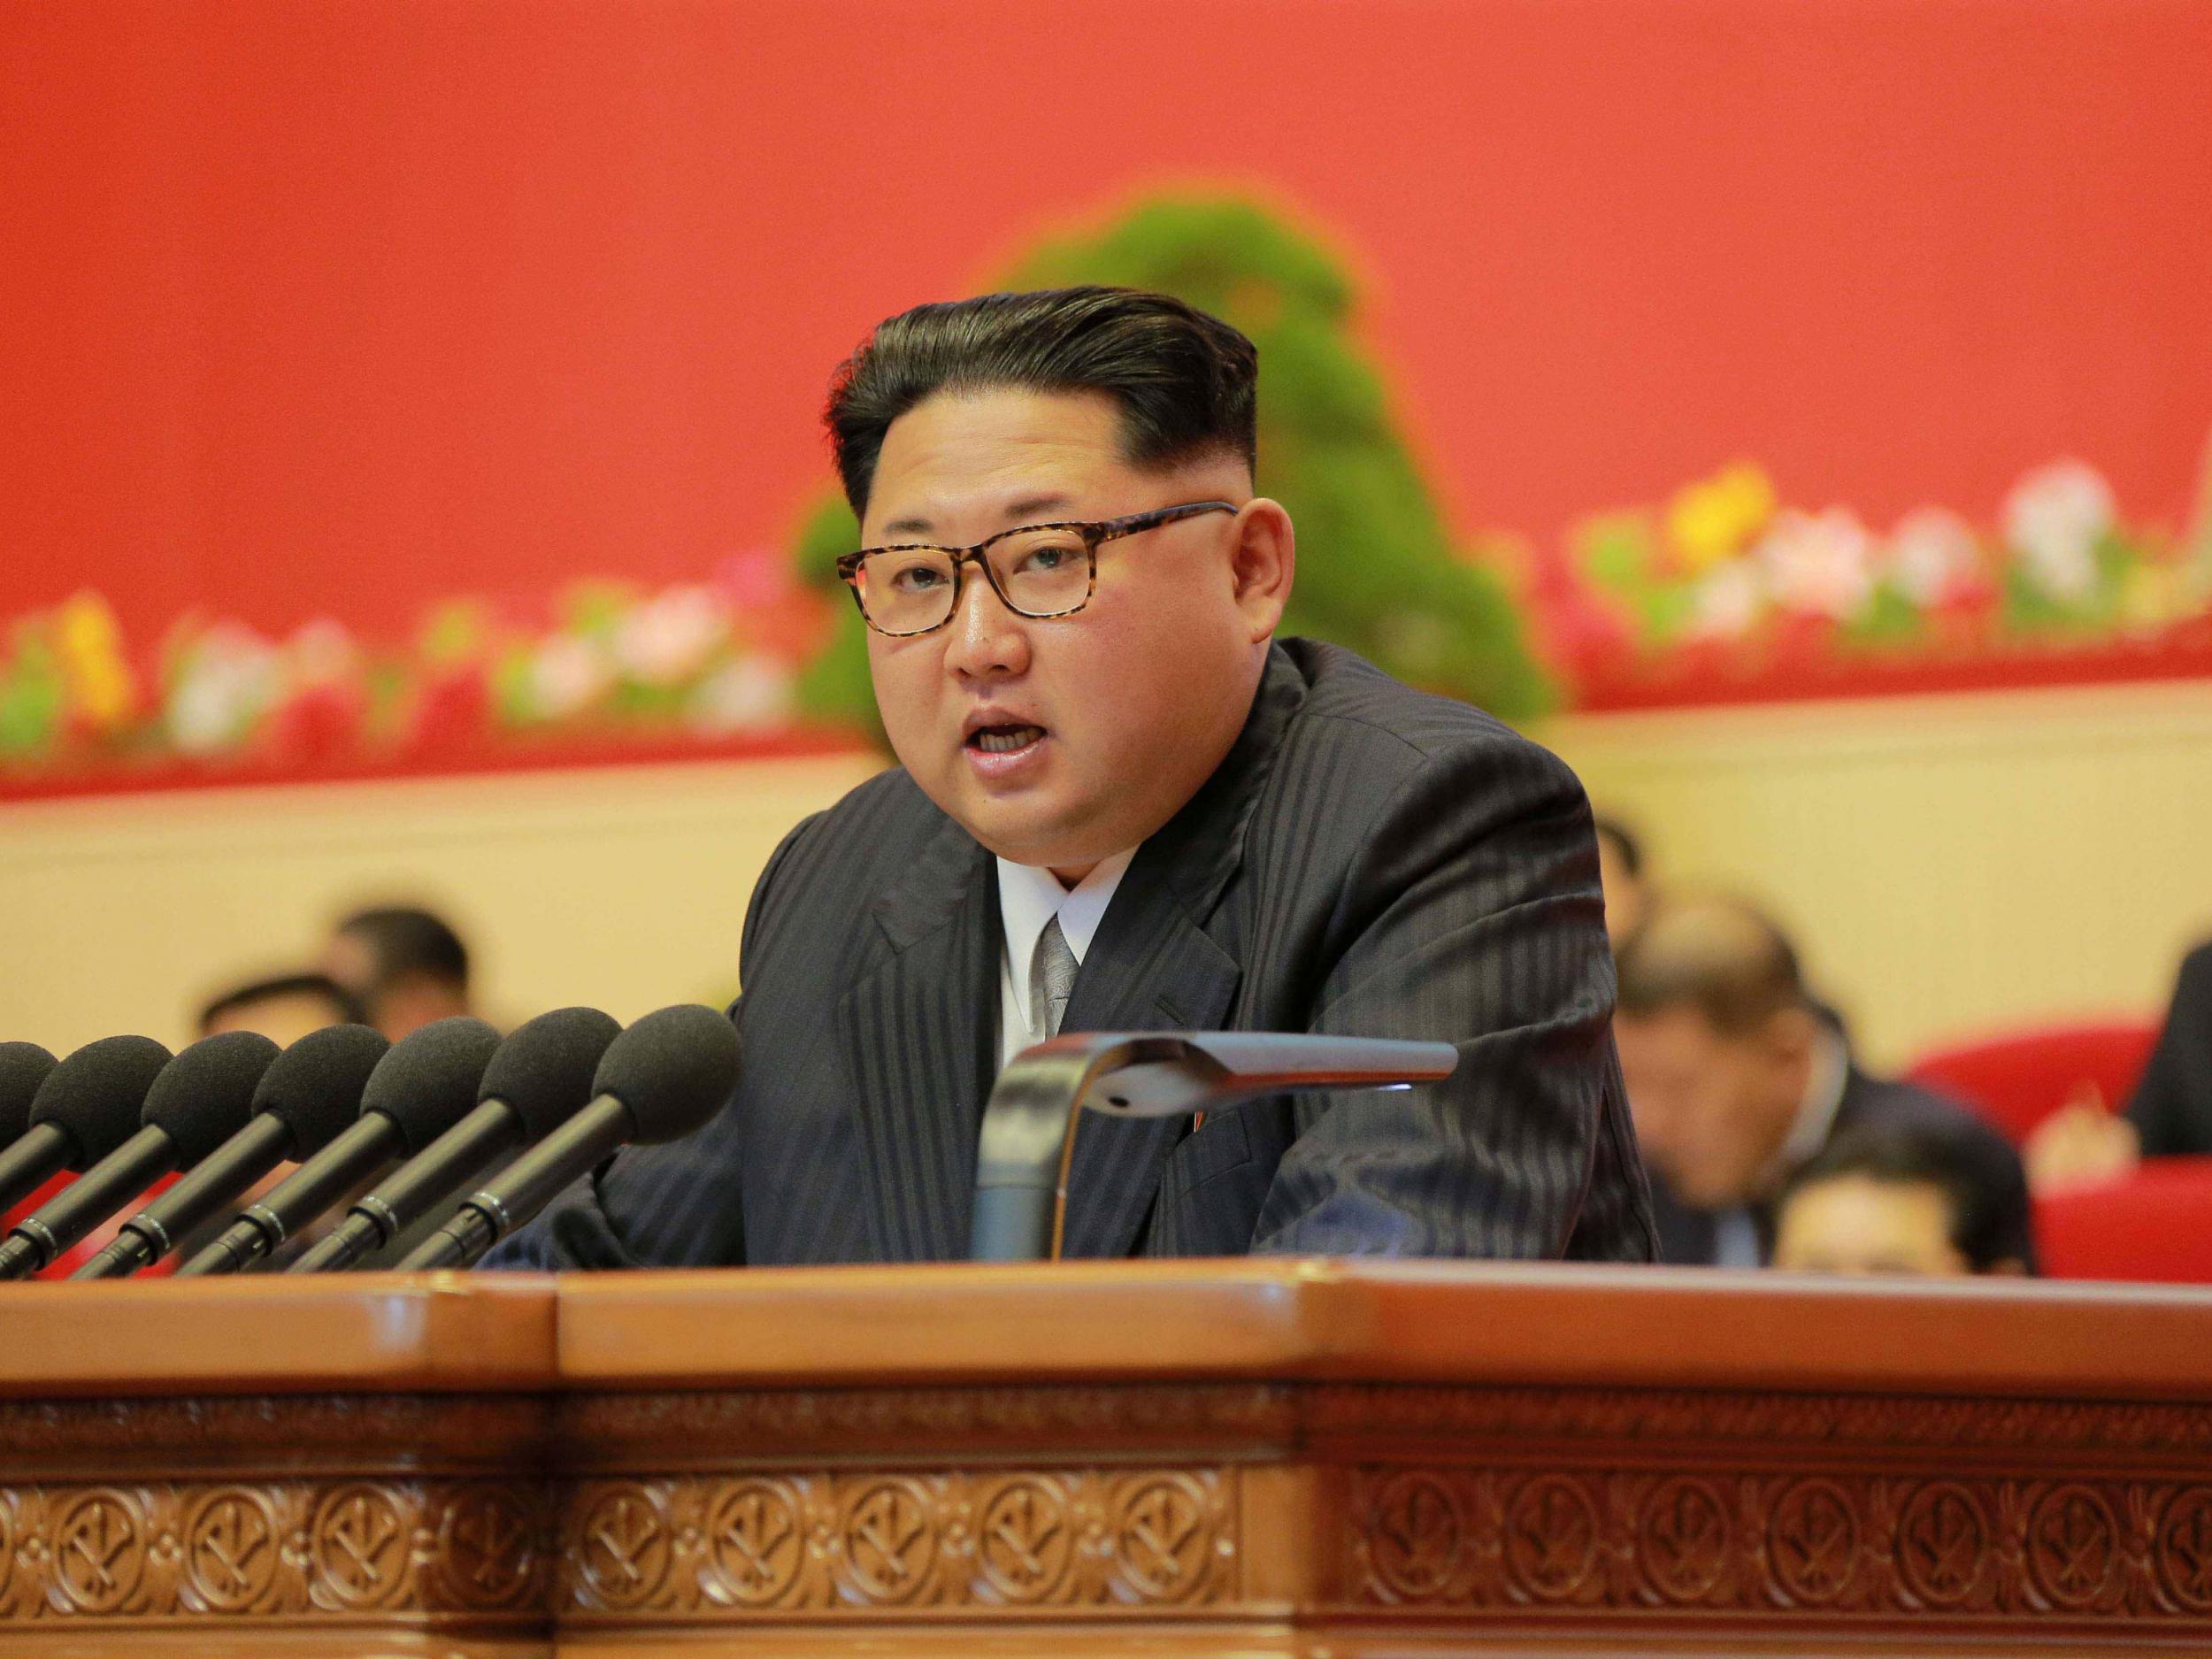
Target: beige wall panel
x,y
1949,864
624,888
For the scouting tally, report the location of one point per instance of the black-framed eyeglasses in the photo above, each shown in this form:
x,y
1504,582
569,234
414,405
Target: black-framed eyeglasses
x,y
1037,570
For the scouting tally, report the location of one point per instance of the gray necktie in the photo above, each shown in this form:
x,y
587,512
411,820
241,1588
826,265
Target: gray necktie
x,y
1051,979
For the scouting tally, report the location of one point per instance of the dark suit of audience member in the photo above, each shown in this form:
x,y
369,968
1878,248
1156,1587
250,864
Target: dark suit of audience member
x,y
1368,859
2171,1107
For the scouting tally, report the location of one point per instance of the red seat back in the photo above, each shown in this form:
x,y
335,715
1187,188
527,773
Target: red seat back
x,y
2018,1079
2154,1224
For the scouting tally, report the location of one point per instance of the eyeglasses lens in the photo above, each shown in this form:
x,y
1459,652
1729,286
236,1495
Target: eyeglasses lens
x,y
1041,572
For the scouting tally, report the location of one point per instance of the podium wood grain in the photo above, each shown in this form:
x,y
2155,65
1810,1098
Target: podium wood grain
x,y
1247,1458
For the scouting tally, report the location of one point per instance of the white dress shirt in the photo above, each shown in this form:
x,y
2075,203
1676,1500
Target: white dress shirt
x,y
1028,898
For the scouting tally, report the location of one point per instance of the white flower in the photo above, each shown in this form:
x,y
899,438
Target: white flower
x,y
753,693
1728,600
230,676
671,637
1932,552
1822,563
2054,519
566,674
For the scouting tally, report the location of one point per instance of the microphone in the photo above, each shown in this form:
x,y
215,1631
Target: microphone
x,y
308,1096
418,1091
23,1067
82,1110
1029,1123
660,1081
197,1102
539,1079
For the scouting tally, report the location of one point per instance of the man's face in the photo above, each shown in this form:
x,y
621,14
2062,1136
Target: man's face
x,y
349,959
1711,1110
1060,742
1853,1223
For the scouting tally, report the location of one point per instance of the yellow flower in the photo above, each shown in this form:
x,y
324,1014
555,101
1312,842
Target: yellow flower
x,y
1714,518
89,643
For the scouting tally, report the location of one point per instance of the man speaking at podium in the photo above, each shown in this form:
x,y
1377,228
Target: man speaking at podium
x,y
1122,804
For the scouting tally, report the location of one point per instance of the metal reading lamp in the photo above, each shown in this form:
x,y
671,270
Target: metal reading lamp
x,y
1030,1122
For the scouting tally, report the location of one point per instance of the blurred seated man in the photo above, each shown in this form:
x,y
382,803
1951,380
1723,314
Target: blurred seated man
x,y
1735,1075
282,1009
2169,1114
1931,1193
406,966
1621,877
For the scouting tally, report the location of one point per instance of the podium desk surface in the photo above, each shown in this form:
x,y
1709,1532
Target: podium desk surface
x,y
1312,1319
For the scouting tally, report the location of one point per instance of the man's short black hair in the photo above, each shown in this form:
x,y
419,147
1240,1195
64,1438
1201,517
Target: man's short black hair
x,y
1975,1167
1184,381
402,940
1725,958
345,1008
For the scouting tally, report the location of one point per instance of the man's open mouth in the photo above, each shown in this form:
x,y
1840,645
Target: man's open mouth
x,y
1004,740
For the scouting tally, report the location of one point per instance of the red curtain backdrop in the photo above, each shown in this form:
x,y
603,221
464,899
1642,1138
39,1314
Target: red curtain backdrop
x,y
339,308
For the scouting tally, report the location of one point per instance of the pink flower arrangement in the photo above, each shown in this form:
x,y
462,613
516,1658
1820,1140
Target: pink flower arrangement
x,y
701,661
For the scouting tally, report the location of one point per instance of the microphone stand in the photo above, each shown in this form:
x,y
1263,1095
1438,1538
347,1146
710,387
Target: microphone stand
x,y
1030,1122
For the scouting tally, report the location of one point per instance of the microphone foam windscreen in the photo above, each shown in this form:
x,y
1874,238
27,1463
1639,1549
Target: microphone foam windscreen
x,y
97,1093
544,1069
673,1070
427,1083
314,1087
204,1095
23,1067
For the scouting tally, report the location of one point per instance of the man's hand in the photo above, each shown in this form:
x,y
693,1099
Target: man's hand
x,y
2081,1144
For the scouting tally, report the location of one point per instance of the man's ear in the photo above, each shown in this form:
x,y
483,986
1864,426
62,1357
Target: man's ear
x,y
1262,562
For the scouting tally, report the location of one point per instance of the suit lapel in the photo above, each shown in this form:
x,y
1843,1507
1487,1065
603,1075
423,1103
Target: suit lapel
x,y
1156,972
1153,967
914,1030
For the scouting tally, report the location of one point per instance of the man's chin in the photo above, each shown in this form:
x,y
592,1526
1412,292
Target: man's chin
x,y
1022,834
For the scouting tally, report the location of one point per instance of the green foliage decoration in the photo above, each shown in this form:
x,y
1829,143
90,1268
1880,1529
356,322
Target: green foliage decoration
x,y
1378,570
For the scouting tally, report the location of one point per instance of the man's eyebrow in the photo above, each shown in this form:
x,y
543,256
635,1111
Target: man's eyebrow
x,y
1018,513
1025,509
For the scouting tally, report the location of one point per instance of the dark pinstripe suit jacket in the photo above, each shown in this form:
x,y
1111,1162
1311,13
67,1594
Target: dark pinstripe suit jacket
x,y
1368,860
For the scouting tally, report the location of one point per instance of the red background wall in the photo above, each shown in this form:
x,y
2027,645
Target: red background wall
x,y
336,308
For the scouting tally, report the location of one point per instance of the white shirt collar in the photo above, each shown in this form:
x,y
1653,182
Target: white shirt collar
x,y
1030,896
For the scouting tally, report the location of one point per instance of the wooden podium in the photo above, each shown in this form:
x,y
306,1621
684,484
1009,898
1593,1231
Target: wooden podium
x,y
1234,1458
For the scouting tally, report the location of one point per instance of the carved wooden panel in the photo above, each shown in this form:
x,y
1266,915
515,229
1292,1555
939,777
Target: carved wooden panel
x,y
1792,1425
825,1543
1830,1543
680,1430
342,1549
272,1435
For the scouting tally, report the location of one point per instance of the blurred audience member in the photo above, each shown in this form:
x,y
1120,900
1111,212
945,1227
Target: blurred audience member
x,y
282,1009
1621,878
406,966
1908,1193
2169,1114
1735,1075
